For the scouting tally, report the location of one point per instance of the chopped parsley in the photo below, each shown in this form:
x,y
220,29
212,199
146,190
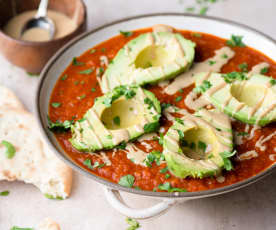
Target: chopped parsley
x,y
167,187
149,102
59,126
233,76
235,41
203,87
151,127
165,105
10,149
93,90
93,51
264,70
227,162
179,98
273,81
87,71
243,134
211,62
164,170
75,62
64,77
82,97
181,91
117,120
225,56
49,196
159,139
167,176
4,193
243,67
179,120
154,156
87,162
197,35
203,10
126,33
133,224
127,181
122,145
56,104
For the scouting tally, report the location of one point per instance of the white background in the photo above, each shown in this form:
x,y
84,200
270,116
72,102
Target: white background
x,y
252,208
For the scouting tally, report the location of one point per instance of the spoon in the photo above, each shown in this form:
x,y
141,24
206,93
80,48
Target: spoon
x,y
40,20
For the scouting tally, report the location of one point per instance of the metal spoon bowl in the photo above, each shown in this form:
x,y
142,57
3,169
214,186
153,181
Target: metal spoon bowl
x,y
40,20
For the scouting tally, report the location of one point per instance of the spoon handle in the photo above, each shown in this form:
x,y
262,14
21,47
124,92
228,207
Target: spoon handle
x,y
42,9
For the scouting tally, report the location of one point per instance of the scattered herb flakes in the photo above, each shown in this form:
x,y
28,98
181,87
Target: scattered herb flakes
x,y
167,187
243,67
93,51
233,76
273,81
103,50
4,193
75,62
197,35
264,70
179,120
93,90
127,181
10,149
149,102
225,56
151,127
18,228
49,196
235,41
59,126
87,71
202,146
64,77
181,91
203,10
87,163
154,156
243,134
133,224
82,97
211,62
122,145
165,105
203,87
117,120
190,9
179,98
164,170
126,33
167,176
227,162
76,82
56,104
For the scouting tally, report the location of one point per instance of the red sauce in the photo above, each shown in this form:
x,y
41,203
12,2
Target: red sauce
x,y
69,93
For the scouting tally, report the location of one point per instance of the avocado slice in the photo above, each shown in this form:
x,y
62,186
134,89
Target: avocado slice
x,y
194,143
119,116
149,58
250,98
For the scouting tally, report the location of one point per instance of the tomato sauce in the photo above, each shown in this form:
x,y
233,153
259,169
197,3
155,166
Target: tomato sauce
x,y
77,92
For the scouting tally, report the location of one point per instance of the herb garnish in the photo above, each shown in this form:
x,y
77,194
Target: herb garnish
x,y
126,33
149,102
151,127
64,77
92,51
93,90
87,71
227,162
117,120
164,170
75,62
179,98
81,97
179,120
243,67
243,134
167,176
197,35
273,81
264,70
134,224
233,76
10,149
203,10
203,87
211,62
59,126
154,156
87,162
18,228
167,187
224,56
122,145
235,41
202,146
56,104
4,193
127,181
165,105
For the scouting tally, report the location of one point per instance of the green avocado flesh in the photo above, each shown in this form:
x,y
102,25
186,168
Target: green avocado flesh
x,y
149,58
250,99
192,145
121,115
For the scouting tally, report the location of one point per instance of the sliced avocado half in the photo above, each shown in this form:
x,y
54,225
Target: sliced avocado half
x,y
121,115
250,98
194,143
149,58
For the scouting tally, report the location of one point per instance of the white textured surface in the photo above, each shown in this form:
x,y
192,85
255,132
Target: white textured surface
x,y
251,208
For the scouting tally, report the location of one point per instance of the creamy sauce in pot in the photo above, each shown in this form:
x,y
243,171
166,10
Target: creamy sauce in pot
x,y
63,24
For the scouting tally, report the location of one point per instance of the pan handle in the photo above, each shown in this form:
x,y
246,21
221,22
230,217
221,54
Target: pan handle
x,y
115,200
